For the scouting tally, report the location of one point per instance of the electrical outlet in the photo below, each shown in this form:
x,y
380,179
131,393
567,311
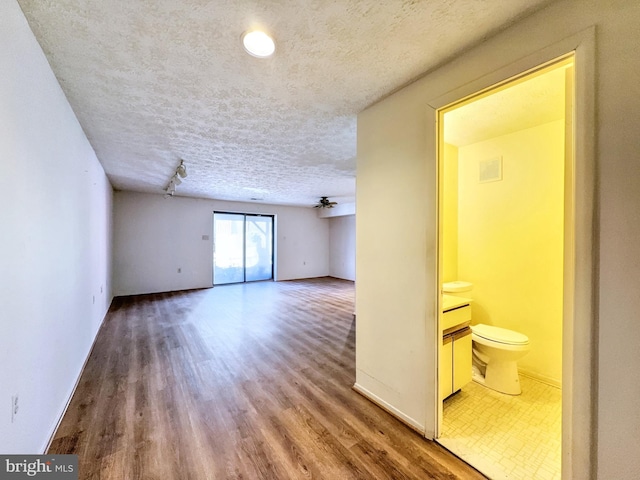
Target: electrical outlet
x,y
14,407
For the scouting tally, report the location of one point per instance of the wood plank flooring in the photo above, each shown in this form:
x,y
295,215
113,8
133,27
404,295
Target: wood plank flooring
x,y
249,381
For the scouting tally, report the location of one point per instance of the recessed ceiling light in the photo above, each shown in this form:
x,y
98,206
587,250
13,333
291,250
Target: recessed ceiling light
x,y
258,44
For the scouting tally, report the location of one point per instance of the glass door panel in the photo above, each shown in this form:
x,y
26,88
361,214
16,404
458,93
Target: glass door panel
x,y
242,248
258,248
228,248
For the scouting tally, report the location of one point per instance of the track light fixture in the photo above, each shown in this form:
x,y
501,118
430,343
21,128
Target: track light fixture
x,y
175,180
182,169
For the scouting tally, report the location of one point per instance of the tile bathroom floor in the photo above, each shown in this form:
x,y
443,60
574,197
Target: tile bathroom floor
x,y
504,436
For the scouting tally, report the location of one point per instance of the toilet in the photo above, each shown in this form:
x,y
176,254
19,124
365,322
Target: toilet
x,y
496,352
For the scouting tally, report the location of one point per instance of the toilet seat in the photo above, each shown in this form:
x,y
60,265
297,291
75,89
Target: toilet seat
x,y
499,335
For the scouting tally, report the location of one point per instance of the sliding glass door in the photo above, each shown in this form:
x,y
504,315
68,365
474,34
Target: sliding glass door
x,y
228,248
258,256
242,247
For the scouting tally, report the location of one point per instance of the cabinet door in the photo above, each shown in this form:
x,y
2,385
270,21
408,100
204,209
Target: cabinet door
x,y
446,367
461,358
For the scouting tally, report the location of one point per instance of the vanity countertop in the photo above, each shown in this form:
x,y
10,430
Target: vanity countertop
x,y
449,302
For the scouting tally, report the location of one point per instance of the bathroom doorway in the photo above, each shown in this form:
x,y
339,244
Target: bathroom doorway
x,y
505,177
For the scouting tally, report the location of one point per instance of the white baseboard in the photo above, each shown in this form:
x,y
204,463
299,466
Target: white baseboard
x,y
52,433
541,378
410,422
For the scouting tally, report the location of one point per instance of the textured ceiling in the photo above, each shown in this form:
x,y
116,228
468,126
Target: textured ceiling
x,y
154,81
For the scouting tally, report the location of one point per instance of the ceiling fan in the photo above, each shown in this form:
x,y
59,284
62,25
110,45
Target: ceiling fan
x,y
325,203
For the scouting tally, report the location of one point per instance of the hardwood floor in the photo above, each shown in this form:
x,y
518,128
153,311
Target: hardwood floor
x,y
249,381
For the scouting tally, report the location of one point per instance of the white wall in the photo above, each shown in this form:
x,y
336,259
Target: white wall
x,y
395,294
154,236
510,242
342,247
55,245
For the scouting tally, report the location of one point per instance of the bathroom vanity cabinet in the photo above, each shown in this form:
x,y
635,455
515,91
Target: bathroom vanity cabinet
x,y
455,354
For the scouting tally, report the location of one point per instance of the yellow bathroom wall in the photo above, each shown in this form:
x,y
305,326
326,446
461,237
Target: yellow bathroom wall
x,y
450,214
510,240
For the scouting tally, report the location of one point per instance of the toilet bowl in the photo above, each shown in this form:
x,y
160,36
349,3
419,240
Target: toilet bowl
x,y
496,352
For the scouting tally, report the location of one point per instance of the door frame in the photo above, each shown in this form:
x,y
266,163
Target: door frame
x,y
579,318
244,245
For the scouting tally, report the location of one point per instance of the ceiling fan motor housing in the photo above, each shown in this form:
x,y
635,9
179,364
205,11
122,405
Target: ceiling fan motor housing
x,y
325,203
